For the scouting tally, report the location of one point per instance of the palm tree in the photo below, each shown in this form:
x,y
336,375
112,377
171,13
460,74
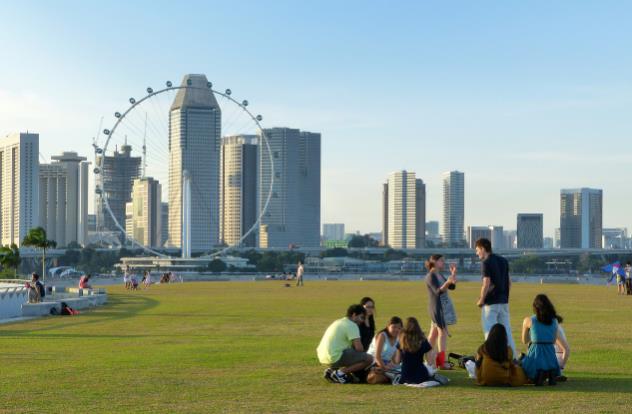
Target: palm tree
x,y
36,237
10,257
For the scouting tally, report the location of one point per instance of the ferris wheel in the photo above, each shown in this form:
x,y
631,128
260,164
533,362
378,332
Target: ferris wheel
x,y
141,135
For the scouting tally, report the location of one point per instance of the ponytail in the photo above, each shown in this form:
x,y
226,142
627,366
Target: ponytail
x,y
432,261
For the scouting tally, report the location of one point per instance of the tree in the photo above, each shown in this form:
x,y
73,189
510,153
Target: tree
x,y
10,257
216,266
36,237
335,252
359,241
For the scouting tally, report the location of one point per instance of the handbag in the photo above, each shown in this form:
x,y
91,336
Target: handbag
x,y
449,314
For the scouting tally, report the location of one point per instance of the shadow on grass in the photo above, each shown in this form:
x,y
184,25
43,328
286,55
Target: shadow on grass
x,y
119,307
585,384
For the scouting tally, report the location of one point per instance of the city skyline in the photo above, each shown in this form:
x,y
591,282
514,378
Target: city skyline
x,y
521,126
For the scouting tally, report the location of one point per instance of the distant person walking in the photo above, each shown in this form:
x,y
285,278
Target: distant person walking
x,y
440,306
494,297
299,274
628,277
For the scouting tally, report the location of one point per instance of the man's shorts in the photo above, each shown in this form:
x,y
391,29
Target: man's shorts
x,y
350,357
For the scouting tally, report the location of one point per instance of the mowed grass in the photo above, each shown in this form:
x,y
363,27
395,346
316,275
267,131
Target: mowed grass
x,y
250,347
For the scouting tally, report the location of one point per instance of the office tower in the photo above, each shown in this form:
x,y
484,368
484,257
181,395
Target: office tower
x,y
164,223
117,176
406,211
510,239
478,232
548,243
333,231
557,239
581,218
384,214
420,215
453,208
144,213
293,215
194,145
92,223
497,235
63,199
530,231
19,182
238,189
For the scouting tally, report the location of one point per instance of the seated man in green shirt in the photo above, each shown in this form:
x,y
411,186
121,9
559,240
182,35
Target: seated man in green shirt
x,y
341,348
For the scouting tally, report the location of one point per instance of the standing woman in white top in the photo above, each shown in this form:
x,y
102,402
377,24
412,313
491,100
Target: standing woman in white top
x,y
147,278
384,344
299,274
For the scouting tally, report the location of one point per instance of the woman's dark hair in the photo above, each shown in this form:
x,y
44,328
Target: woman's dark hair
x,y
412,336
544,309
484,244
371,318
395,320
355,310
432,261
496,344
35,276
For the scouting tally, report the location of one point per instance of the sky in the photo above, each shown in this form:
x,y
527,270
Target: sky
x,y
525,97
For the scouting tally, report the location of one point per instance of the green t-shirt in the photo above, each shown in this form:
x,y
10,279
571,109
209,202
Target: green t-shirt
x,y
336,339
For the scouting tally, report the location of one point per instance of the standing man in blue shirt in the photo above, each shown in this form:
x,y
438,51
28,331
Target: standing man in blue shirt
x,y
494,298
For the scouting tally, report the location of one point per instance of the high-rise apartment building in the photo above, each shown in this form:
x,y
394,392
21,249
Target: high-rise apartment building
x,y
19,182
405,214
497,235
384,241
63,199
238,189
333,231
195,120
293,214
530,231
453,208
117,177
144,213
581,218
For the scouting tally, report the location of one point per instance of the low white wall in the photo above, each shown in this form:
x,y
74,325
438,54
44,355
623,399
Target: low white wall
x,y
11,300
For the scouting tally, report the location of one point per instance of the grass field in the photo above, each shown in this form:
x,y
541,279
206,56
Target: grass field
x,y
250,347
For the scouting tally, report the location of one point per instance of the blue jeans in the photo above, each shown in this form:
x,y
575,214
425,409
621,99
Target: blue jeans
x,y
498,313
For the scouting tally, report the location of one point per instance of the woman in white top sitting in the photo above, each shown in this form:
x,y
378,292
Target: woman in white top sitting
x,y
384,346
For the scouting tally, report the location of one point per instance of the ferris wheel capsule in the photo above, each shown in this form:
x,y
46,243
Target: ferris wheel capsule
x,y
245,103
117,114
98,191
149,90
259,118
132,101
97,170
228,92
98,150
169,84
106,131
209,85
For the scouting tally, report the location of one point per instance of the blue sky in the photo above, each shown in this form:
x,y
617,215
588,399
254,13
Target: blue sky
x,y
525,97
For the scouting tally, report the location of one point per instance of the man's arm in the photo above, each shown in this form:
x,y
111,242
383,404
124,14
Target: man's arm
x,y
357,345
484,290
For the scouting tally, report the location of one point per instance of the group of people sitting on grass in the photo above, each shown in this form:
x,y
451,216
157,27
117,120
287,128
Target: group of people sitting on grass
x,y
402,354
132,283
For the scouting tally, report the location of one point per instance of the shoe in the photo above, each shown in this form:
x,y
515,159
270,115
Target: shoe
x,y
352,379
562,378
328,375
340,379
540,377
397,379
552,377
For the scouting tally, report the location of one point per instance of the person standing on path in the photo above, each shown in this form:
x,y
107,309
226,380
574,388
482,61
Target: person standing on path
x,y
299,274
494,297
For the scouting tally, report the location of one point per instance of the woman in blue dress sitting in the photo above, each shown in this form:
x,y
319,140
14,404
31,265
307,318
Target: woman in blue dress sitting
x,y
539,331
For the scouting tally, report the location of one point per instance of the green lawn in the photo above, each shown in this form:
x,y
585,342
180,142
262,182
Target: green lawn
x,y
250,347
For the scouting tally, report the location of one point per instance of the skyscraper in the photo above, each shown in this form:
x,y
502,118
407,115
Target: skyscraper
x,y
581,218
453,208
333,231
405,214
238,189
144,213
478,232
194,145
530,231
19,182
293,215
118,174
497,235
384,214
63,199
